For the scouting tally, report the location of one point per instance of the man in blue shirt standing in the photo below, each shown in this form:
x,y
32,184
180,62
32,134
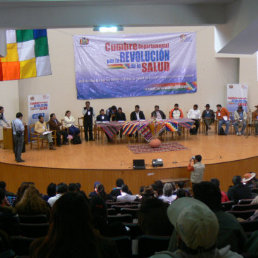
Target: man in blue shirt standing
x,y
18,136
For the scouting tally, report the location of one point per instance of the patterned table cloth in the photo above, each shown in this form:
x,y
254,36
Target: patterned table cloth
x,y
148,128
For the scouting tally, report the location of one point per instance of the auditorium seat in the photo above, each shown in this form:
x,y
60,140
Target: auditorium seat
x,y
244,207
31,219
111,211
134,212
242,214
34,230
226,206
249,226
255,190
148,245
35,138
126,218
21,245
124,246
245,201
134,230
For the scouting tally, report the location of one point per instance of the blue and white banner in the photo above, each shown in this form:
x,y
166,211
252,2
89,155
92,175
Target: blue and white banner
x,y
237,94
135,65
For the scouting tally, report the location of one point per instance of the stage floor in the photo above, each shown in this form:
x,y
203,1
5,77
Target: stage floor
x,y
102,155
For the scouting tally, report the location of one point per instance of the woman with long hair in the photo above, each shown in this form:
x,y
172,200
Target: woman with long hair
x,y
32,203
71,233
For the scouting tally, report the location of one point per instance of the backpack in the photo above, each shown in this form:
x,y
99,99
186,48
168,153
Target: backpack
x,y
221,131
76,139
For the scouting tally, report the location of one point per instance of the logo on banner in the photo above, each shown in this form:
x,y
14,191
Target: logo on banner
x,y
84,41
231,86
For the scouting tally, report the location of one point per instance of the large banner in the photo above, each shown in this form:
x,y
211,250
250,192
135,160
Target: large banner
x,y
38,105
237,94
133,65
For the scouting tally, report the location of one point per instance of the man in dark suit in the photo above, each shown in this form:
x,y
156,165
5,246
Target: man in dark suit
x,y
54,125
88,114
120,116
102,116
158,113
137,114
111,113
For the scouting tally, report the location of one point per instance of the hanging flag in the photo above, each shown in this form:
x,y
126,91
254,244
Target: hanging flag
x,y
27,55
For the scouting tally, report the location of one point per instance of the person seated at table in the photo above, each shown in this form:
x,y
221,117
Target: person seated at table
x,y
137,114
158,114
240,118
194,114
223,117
69,124
111,113
54,125
102,116
120,115
255,119
41,128
208,117
176,112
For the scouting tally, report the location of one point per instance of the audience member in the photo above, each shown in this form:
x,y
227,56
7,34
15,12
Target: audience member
x,y
9,220
194,114
224,197
208,117
78,186
125,195
157,113
71,233
32,203
100,221
238,191
196,168
51,191
168,190
230,231
117,190
196,230
255,119
240,118
55,125
69,124
42,130
3,186
21,191
181,186
223,117
102,194
153,219
72,187
95,192
182,193
88,114
60,190
147,193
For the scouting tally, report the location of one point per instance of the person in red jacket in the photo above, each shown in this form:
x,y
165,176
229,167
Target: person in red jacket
x,y
176,112
223,117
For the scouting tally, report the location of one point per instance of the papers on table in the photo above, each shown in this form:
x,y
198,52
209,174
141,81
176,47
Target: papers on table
x,y
225,118
47,132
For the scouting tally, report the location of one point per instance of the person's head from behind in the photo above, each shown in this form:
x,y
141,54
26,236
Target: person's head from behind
x,y
3,185
237,180
219,107
102,112
119,182
197,158
209,194
78,186
125,189
22,189
2,196
61,188
215,181
156,108
181,184
157,188
51,189
68,113
32,197
53,116
168,189
181,193
195,106
176,106
137,108
70,229
19,115
96,184
196,226
72,187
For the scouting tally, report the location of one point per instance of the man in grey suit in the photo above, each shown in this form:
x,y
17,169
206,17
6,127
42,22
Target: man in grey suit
x,y
18,136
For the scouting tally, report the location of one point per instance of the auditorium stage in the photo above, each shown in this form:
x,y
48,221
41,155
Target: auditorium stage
x,y
224,157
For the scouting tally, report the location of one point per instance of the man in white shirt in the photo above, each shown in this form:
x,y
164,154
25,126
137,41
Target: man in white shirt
x,y
194,114
2,118
125,196
60,190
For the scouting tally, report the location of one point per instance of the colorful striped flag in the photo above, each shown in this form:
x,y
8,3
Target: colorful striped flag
x,y
27,55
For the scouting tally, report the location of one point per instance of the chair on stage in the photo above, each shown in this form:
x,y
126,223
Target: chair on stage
x,y
54,136
35,138
80,125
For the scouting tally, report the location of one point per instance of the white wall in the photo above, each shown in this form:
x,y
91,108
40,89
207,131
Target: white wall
x,y
9,99
212,76
248,75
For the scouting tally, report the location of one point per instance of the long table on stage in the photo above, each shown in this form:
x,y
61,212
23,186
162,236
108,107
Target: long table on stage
x,y
147,128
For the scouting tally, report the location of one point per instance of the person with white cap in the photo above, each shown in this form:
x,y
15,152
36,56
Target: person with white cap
x,y
197,229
